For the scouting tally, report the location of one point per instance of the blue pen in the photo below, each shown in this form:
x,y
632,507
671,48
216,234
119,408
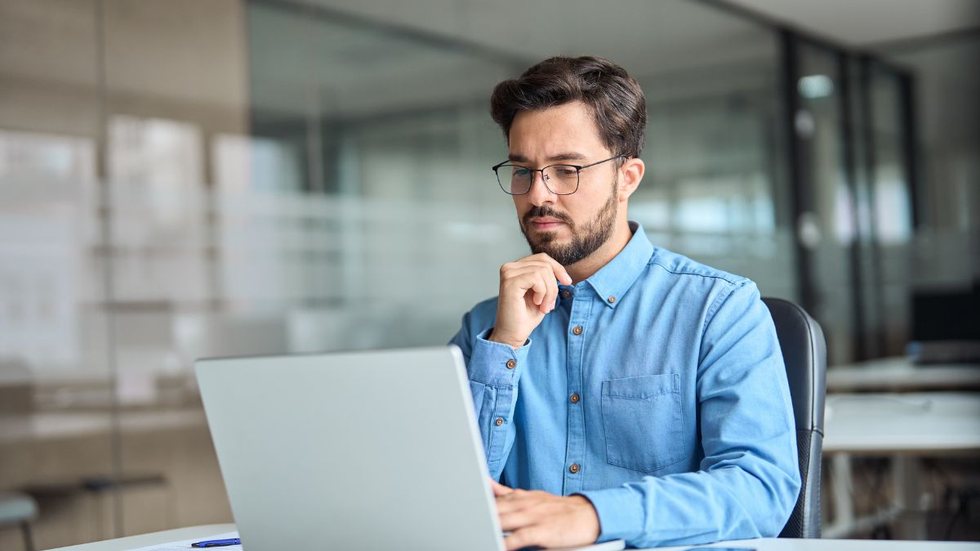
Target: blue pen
x,y
217,543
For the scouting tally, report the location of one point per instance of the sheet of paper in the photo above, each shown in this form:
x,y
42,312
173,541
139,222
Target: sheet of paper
x,y
184,545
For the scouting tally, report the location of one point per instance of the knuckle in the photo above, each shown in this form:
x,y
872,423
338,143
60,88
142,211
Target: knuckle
x,y
531,536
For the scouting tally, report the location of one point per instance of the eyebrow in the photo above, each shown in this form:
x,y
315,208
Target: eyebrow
x,y
518,158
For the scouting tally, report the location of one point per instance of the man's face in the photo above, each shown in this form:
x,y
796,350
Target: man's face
x,y
566,227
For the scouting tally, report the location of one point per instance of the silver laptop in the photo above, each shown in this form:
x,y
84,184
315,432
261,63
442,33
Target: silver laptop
x,y
357,450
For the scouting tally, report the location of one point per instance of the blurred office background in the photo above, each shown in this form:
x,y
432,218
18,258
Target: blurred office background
x,y
183,178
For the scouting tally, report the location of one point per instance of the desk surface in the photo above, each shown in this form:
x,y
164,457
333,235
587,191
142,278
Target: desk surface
x,y
927,423
154,538
901,375
765,544
774,544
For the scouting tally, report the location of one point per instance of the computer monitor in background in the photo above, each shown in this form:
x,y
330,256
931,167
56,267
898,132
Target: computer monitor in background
x,y
946,325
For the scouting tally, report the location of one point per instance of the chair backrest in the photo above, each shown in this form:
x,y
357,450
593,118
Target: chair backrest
x,y
805,354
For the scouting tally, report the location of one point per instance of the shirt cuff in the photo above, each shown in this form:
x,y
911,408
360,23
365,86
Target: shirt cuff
x,y
620,512
494,363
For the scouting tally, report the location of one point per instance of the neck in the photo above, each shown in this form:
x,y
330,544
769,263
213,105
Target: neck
x,y
583,269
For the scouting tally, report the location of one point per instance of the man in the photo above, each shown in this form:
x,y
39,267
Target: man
x,y
622,391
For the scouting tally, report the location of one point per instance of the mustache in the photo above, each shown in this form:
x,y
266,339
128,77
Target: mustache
x,y
542,211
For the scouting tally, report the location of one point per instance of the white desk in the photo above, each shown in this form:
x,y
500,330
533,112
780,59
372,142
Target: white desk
x,y
923,423
775,544
899,374
903,427
155,538
766,544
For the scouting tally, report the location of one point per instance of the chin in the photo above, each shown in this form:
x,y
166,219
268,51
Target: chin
x,y
545,241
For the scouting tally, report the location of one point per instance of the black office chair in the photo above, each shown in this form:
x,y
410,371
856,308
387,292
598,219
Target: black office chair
x,y
805,354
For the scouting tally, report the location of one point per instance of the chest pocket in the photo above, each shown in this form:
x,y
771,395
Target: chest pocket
x,y
642,421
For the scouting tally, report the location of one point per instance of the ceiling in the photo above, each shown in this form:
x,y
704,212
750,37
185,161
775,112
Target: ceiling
x,y
640,34
341,55
348,51
870,22
481,41
513,25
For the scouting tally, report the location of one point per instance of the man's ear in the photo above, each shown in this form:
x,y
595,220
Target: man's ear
x,y
632,172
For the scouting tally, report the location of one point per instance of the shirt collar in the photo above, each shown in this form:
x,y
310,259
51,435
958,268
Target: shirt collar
x,y
615,278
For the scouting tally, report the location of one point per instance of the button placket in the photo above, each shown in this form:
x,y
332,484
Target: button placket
x,y
580,316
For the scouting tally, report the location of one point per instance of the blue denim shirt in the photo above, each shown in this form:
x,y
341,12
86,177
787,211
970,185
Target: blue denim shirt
x,y
656,389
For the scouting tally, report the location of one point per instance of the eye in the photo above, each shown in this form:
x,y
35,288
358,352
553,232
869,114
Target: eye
x,y
564,171
521,171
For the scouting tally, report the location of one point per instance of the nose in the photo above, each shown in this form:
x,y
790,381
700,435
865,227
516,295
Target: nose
x,y
539,194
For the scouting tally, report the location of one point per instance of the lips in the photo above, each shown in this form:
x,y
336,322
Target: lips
x,y
545,224
543,218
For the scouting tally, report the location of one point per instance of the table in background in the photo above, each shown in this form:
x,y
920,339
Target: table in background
x,y
904,427
899,374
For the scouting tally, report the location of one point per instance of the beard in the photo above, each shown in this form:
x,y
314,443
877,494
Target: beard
x,y
584,242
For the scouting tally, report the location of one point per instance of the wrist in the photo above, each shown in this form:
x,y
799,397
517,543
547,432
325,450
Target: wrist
x,y
504,338
589,517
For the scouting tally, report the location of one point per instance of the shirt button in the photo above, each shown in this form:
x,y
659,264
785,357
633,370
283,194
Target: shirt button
x,y
566,294
511,364
574,398
577,330
574,468
499,421
611,299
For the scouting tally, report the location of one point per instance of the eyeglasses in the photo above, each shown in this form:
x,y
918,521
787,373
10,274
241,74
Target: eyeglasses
x,y
559,179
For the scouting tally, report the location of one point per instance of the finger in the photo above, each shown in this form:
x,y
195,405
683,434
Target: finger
x,y
515,520
523,281
511,503
541,262
534,263
540,290
499,489
538,277
525,537
545,290
551,299
561,274
547,264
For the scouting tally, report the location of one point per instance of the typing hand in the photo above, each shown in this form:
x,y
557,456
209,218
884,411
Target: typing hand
x,y
528,291
543,519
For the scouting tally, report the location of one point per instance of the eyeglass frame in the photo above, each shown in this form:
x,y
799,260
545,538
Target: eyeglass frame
x,y
578,174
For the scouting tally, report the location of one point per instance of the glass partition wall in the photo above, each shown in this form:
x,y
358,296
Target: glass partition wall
x,y
185,179
851,173
106,111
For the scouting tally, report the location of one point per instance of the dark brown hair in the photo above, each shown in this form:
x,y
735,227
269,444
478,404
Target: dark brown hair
x,y
614,97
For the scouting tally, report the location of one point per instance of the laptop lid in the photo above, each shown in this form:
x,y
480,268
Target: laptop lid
x,y
358,450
